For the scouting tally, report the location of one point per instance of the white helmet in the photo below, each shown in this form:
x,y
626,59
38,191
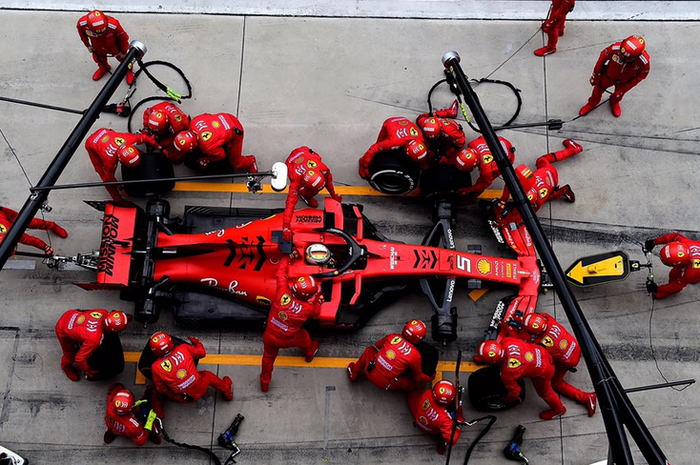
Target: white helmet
x,y
317,254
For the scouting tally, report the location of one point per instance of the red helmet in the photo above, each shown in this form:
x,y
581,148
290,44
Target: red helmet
x,y
535,324
116,321
444,392
431,127
632,47
416,149
415,331
161,344
304,287
467,159
129,155
313,180
97,22
157,121
674,253
123,402
185,141
491,352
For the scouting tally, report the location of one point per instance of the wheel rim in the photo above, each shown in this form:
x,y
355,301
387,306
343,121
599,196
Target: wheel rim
x,y
392,182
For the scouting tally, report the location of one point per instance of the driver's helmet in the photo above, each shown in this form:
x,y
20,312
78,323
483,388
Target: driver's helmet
x,y
97,22
444,392
674,254
123,402
317,254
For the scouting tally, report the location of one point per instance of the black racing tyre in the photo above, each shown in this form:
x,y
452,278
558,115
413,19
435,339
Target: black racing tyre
x,y
153,165
108,358
429,358
148,357
442,182
486,390
392,172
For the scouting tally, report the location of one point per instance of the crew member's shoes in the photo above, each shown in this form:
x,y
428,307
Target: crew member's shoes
x,y
591,403
586,109
544,51
454,109
109,437
561,31
130,77
352,371
568,193
72,374
615,108
310,357
228,393
551,413
311,202
264,387
441,447
59,231
99,74
574,146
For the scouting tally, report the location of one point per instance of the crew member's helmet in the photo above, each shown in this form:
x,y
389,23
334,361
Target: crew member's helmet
x,y
123,402
129,155
431,128
535,324
97,22
444,392
313,180
116,321
674,253
632,47
416,150
491,352
161,344
157,121
304,287
415,331
467,159
185,141
317,254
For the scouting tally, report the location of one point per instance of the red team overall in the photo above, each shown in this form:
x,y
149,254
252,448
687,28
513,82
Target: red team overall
x,y
396,133
103,36
555,24
8,216
429,410
307,176
80,333
394,362
219,137
164,121
119,418
478,154
683,255
520,359
623,65
543,184
175,374
293,305
106,148
443,136
565,352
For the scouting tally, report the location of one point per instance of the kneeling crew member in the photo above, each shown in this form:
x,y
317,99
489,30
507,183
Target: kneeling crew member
x,y
430,410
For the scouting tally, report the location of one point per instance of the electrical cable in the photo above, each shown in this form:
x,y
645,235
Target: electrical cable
x,y
653,354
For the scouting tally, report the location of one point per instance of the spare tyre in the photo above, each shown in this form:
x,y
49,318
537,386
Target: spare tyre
x,y
392,172
153,165
486,390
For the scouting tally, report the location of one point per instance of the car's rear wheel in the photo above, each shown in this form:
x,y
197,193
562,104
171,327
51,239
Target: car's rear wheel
x,y
393,173
153,165
486,390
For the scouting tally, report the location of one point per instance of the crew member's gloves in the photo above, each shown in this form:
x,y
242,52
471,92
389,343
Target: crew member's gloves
x,y
48,250
338,197
194,340
652,287
203,163
649,245
287,234
594,79
90,49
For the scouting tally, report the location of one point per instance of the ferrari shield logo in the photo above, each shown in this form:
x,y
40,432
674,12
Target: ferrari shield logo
x,y
311,164
547,341
426,404
3,229
488,158
696,262
543,192
413,132
119,141
97,315
285,299
166,365
206,135
513,363
396,340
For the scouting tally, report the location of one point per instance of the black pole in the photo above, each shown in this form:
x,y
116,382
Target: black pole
x,y
42,105
52,173
615,406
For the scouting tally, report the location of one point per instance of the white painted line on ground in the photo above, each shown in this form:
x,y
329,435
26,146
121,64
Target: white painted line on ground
x,y
20,265
425,9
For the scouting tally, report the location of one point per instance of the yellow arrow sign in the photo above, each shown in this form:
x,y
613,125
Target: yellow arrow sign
x,y
597,269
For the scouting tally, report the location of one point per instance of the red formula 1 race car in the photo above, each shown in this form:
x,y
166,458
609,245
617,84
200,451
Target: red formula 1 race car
x,y
217,266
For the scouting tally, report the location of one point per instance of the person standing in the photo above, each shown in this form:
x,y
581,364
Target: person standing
x,y
104,36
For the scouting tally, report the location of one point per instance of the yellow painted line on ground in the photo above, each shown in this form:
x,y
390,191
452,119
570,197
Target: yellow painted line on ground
x,y
292,361
266,189
477,294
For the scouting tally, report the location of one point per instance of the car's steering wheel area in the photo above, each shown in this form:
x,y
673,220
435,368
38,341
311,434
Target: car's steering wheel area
x,y
355,252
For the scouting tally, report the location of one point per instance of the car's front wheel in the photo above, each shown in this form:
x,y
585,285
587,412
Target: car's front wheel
x,y
393,173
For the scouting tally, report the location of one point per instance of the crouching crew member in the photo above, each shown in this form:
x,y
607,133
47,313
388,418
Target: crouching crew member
x,y
164,121
121,421
432,412
683,255
8,216
396,133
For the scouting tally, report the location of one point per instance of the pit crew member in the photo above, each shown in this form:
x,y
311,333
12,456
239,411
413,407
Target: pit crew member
x,y
394,362
294,303
80,333
623,65
432,414
104,36
443,135
555,24
396,133
219,138
8,216
683,256
175,374
121,420
521,359
307,176
478,154
565,352
164,121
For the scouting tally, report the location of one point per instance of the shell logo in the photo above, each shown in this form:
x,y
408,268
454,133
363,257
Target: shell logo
x,y
423,421
529,356
282,316
563,344
215,124
105,139
81,319
483,266
181,374
390,354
